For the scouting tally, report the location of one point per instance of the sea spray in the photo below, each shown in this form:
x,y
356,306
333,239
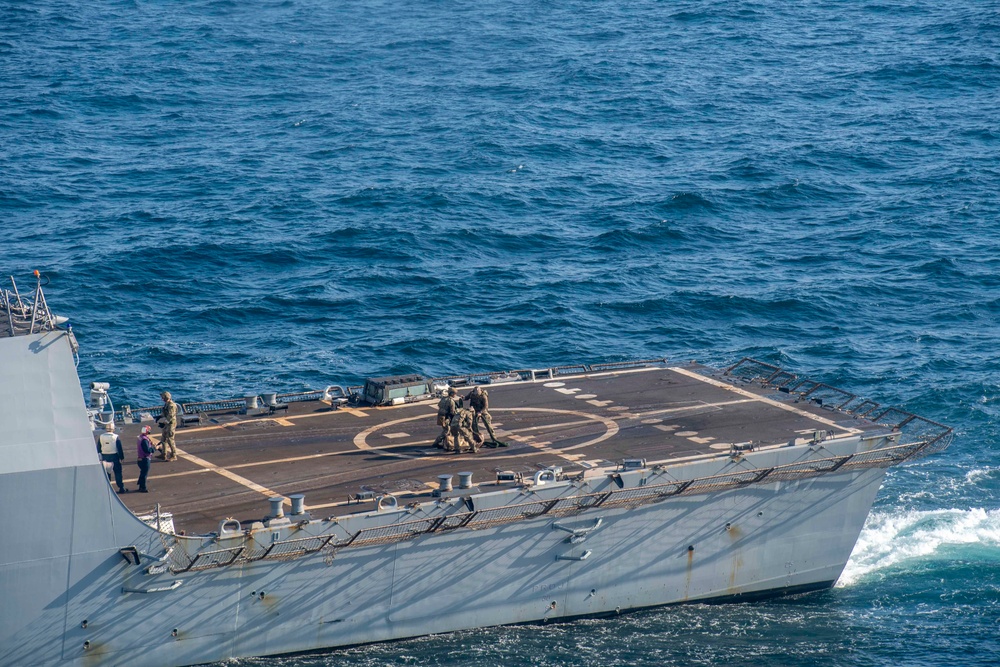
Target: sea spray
x,y
900,537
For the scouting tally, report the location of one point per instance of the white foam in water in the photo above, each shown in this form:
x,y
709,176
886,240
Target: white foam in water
x,y
894,537
974,476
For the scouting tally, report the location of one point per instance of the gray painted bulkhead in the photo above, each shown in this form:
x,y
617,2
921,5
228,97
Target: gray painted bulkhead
x,y
62,577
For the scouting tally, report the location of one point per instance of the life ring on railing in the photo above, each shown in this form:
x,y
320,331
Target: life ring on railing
x,y
226,522
387,503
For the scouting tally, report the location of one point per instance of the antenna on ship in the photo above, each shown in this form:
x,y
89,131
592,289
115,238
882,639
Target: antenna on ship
x,y
39,302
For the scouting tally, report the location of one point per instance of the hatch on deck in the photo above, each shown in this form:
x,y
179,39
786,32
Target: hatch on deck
x,y
396,389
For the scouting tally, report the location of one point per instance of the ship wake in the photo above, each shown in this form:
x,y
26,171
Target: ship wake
x,y
899,539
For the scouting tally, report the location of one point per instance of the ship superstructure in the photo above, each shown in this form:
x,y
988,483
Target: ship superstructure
x,y
327,518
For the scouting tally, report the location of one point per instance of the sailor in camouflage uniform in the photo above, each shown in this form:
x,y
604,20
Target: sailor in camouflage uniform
x,y
479,400
447,408
461,431
168,422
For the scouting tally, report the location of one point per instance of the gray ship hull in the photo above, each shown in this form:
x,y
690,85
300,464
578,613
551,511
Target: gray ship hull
x,y
84,582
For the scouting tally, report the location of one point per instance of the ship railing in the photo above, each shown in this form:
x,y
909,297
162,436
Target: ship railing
x,y
624,365
238,404
291,548
181,561
230,404
394,532
467,517
579,369
312,395
22,315
199,407
551,372
912,428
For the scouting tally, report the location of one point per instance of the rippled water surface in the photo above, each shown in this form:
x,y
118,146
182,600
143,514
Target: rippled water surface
x,y
230,197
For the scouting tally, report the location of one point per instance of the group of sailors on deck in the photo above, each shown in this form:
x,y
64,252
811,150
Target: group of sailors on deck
x,y
460,424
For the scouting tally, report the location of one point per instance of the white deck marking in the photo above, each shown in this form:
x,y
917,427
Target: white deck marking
x,y
600,404
701,441
584,397
686,434
393,436
568,391
553,385
610,426
667,429
761,399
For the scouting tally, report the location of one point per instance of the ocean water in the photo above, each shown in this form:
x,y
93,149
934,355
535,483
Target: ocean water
x,y
228,197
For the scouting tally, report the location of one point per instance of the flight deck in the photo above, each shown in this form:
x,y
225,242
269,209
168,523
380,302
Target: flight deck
x,y
344,457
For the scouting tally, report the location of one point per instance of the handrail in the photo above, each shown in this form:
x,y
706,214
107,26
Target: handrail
x,y
749,369
25,316
638,496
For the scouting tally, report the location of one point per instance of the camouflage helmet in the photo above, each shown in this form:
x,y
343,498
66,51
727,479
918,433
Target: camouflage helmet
x,y
452,391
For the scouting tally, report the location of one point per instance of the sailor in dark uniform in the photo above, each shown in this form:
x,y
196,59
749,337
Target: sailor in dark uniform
x,y
109,446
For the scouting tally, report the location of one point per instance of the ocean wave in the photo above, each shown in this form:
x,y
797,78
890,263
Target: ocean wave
x,y
687,201
623,239
905,538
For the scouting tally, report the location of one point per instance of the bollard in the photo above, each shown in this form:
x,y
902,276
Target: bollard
x,y
298,503
276,511
465,480
444,482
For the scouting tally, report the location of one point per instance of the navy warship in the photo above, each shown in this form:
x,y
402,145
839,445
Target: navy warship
x,y
303,521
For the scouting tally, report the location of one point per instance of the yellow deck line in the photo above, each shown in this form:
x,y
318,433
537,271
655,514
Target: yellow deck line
x,y
761,399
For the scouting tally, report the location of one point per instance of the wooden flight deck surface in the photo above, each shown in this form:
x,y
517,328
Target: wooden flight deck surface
x,y
230,464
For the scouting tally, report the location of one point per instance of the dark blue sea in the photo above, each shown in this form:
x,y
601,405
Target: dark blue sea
x,y
230,197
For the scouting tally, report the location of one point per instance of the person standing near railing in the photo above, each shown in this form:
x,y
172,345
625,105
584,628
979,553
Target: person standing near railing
x,y
144,449
168,422
110,447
